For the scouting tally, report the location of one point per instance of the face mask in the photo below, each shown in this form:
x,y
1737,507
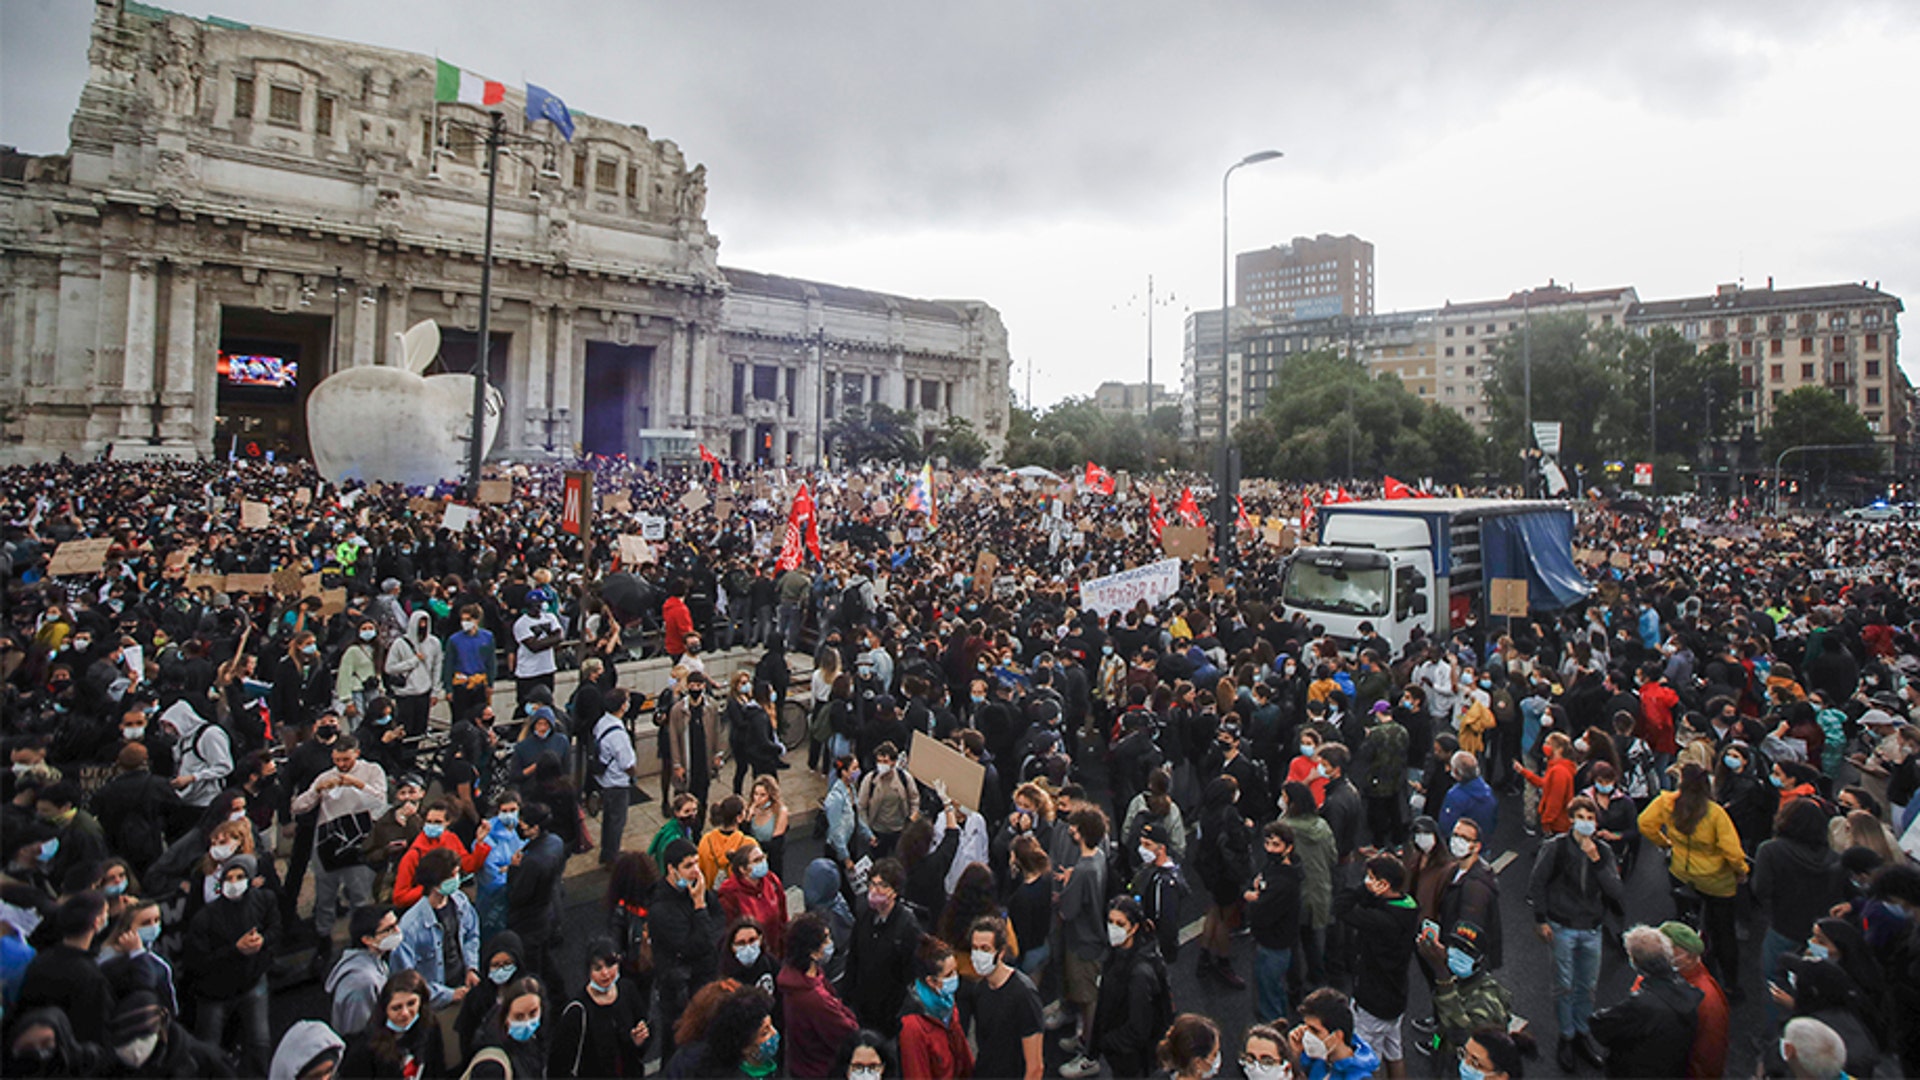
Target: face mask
x,y
326,732
135,1054
979,699
1733,762
1147,856
368,634
1486,684
450,886
757,870
983,961
1320,771
1460,846
49,849
511,817
149,933
398,1029
522,1030
1313,1046
433,832
222,852
1776,780
603,987
1259,1071
857,1073
770,1050
1580,744
21,768
1584,827
883,768
133,734
1468,1072
1306,749
1459,962
309,648
118,888
1818,951
500,975
1116,935
233,890
748,955
469,625
1604,789
1424,841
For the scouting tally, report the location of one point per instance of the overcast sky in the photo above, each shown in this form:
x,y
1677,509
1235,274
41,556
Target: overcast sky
x,y
1047,156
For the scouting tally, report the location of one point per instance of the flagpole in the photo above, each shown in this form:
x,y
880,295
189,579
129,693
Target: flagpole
x,y
477,448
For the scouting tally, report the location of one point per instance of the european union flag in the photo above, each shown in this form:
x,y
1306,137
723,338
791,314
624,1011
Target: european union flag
x,y
542,105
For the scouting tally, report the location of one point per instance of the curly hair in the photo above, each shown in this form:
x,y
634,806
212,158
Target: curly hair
x,y
734,1030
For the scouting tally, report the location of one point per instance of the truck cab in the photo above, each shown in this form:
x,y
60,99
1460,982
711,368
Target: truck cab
x,y
1340,588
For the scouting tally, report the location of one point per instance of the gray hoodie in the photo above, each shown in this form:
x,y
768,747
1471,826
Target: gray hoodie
x,y
206,754
303,1043
355,984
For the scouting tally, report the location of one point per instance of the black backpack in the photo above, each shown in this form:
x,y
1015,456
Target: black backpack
x,y
853,605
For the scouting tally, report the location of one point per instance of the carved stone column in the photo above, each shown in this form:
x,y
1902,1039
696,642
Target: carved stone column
x,y
183,313
537,374
366,327
136,373
677,362
565,398
698,408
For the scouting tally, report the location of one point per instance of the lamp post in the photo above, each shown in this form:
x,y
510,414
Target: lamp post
x,y
1223,519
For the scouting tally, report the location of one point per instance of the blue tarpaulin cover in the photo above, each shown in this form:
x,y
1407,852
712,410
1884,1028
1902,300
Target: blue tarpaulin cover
x,y
1536,547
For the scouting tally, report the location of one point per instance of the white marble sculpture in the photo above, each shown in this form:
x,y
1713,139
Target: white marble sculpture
x,y
390,422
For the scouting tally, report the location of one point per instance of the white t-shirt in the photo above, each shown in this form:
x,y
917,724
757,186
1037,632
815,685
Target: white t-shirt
x,y
526,661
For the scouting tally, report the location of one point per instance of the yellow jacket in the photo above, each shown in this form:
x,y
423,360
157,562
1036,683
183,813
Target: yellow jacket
x,y
1709,858
1475,721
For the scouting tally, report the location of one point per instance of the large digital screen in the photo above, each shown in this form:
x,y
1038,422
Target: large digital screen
x,y
265,372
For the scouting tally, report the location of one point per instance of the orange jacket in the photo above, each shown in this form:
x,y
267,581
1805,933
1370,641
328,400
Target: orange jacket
x,y
406,892
1556,790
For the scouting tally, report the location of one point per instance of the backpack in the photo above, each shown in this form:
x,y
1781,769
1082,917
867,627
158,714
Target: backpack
x,y
853,604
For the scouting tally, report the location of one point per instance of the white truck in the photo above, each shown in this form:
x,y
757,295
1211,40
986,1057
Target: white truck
x,y
1426,563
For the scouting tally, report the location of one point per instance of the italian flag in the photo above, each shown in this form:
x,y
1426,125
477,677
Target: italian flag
x,y
452,84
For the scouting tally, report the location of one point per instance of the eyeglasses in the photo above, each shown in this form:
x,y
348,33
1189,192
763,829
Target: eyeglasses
x,y
1248,1061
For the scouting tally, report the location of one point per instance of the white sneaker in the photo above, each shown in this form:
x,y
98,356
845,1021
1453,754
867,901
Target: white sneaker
x,y
1055,1017
1079,1067
1071,1044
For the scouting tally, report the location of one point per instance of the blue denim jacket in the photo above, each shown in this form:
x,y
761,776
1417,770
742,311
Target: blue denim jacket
x,y
420,945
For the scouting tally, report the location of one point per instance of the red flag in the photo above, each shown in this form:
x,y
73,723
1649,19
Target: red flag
x,y
1098,479
1307,515
1335,496
1397,490
712,460
803,527
1154,520
1189,510
1240,510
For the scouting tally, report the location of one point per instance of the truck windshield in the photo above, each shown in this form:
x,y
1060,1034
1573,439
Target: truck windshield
x,y
1348,590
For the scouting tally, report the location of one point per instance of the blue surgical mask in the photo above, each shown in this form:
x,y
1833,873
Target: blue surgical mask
x,y
1733,762
1775,780
49,849
1818,951
1585,827
937,1002
510,817
758,870
450,886
399,1028
523,1030
500,975
118,888
149,934
433,832
1468,1072
1459,962
950,985
1604,789
748,955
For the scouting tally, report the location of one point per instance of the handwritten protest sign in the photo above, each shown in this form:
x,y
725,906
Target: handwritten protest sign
x,y
79,557
1153,583
254,515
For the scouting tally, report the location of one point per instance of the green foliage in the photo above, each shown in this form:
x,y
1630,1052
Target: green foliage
x,y
1065,437
958,442
875,432
1327,407
1815,416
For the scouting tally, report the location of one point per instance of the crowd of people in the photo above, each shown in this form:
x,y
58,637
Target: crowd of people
x,y
221,793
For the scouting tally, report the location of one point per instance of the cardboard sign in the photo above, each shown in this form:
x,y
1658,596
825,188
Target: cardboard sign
x,y
619,501
310,585
1657,557
289,581
494,493
695,501
1184,541
1507,596
196,582
652,527
895,537
1620,559
934,763
423,507
1216,585
722,510
634,550
983,570
302,498
332,602
80,557
250,583
254,515
457,517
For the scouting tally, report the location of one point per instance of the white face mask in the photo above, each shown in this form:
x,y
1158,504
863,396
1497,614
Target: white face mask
x,y
1259,1071
233,890
389,943
1423,841
1313,1046
983,961
1460,846
1116,935
135,1054
222,852
858,1073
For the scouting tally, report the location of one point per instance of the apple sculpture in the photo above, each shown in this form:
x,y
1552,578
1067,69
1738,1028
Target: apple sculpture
x,y
392,423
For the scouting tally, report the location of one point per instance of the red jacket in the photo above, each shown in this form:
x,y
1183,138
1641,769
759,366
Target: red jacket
x,y
406,891
817,1021
764,901
676,624
930,1050
1656,711
1556,790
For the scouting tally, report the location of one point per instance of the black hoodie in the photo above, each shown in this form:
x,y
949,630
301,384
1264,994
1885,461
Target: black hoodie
x,y
480,1000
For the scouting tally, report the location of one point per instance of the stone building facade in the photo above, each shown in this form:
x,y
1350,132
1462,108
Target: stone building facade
x,y
238,200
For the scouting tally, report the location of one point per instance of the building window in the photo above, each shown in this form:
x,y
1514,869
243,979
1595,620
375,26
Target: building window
x,y
1776,323
1746,326
323,116
1606,320
1873,369
1449,391
1873,342
243,96
1490,329
1777,373
1746,348
1806,346
1717,328
1840,392
1469,350
1871,318
580,170
1469,371
1839,343
1469,411
1839,372
1806,371
1449,331
1774,399
1690,331
1449,371
283,106
1515,325
1837,321
1873,395
1776,347
1449,350
606,174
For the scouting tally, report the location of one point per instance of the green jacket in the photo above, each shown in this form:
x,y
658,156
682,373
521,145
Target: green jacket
x,y
1384,757
1314,849
1462,1006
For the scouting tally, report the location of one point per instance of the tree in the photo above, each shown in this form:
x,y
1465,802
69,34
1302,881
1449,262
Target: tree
x,y
956,441
1815,416
875,432
1328,411
1696,393
1571,384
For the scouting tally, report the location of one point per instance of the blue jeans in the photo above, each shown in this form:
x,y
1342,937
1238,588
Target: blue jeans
x,y
211,1022
1576,971
1270,968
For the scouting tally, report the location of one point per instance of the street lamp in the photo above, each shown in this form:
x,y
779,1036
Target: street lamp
x,y
1223,518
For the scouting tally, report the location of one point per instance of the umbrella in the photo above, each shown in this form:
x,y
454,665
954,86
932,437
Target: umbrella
x,y
629,597
1035,472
